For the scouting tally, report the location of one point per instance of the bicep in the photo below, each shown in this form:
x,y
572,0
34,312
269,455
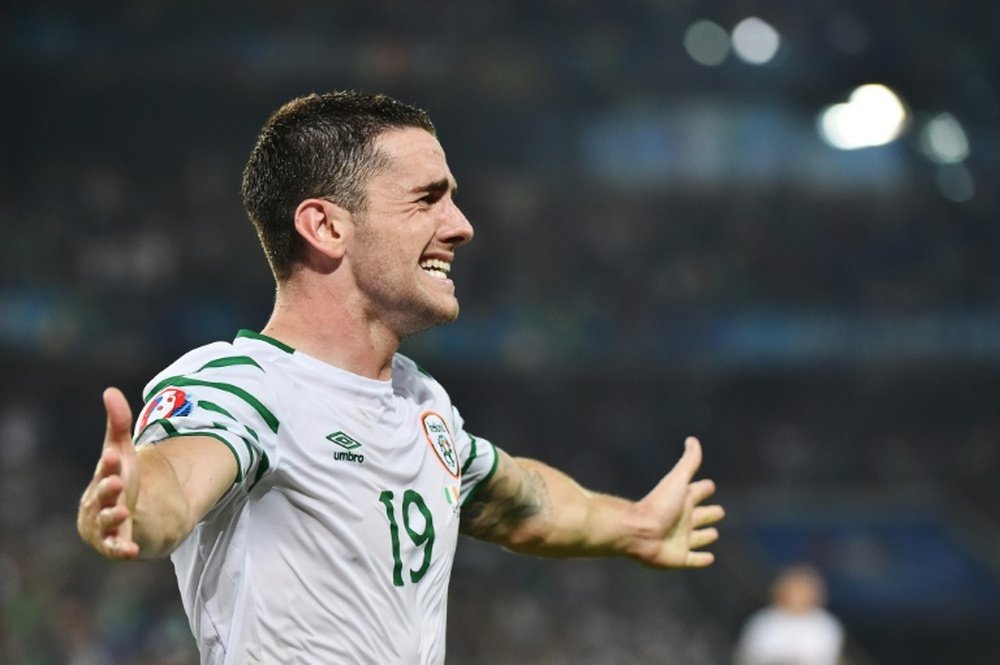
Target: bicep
x,y
513,496
204,469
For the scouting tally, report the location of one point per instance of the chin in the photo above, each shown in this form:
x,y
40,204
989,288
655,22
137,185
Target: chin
x,y
444,311
431,318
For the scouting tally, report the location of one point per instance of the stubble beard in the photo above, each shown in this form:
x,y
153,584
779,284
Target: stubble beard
x,y
405,308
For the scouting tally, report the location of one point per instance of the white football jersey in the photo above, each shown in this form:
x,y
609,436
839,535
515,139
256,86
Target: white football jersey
x,y
336,541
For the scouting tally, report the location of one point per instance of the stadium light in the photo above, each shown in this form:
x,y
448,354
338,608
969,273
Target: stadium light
x,y
873,115
707,43
755,41
943,140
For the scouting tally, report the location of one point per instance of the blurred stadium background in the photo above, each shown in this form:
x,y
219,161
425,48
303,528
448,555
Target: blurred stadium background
x,y
775,225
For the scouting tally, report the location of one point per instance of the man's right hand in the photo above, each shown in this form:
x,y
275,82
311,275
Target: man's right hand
x,y
108,504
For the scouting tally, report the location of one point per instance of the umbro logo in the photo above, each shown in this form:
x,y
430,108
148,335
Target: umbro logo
x,y
349,445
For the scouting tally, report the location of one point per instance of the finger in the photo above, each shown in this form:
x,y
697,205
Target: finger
x,y
700,490
109,519
705,515
109,491
699,559
119,548
702,537
108,464
119,422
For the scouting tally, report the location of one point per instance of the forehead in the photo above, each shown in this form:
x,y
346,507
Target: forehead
x,y
414,158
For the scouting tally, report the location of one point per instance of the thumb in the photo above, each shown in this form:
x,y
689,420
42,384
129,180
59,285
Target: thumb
x,y
119,427
675,483
689,462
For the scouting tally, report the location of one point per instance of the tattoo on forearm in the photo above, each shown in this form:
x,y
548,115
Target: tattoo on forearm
x,y
509,500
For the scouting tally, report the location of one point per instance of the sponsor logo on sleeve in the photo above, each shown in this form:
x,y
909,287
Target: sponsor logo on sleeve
x,y
168,403
438,436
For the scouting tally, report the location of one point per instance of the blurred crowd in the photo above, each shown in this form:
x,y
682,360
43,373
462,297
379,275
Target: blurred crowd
x,y
124,244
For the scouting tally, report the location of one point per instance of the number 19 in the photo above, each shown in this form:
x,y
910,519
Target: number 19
x,y
420,538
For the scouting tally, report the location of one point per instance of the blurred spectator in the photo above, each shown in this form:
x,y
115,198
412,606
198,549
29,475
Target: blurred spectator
x,y
794,629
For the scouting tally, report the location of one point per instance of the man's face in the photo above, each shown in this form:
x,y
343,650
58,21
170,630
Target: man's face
x,y
406,239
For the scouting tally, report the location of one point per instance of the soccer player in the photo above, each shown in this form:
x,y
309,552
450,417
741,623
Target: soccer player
x,y
309,482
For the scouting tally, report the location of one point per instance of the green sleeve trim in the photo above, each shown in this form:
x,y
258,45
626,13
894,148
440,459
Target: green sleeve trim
x,y
212,406
172,433
250,450
264,338
485,479
251,453
167,426
265,414
472,456
229,361
264,465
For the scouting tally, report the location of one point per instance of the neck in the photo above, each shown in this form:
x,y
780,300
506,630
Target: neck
x,y
333,329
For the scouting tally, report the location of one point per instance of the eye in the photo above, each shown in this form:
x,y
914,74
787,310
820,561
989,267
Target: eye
x,y
430,198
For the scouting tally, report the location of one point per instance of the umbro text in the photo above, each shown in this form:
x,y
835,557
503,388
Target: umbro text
x,y
348,456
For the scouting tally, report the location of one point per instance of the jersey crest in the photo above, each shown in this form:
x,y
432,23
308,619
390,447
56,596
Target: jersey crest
x,y
169,402
438,436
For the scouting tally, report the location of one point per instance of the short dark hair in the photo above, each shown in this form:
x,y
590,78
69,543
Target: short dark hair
x,y
318,146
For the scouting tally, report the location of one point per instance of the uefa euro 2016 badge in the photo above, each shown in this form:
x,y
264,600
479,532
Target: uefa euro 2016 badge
x,y
439,437
168,403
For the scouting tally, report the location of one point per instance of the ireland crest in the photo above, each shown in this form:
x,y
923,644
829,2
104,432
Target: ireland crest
x,y
439,437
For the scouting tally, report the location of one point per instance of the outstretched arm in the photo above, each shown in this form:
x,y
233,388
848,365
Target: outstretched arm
x,y
143,501
532,508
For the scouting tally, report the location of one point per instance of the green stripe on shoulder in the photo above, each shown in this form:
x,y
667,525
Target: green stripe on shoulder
x,y
258,406
229,361
212,406
264,338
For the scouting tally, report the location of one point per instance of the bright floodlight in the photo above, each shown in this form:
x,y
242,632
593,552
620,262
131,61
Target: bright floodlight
x,y
944,141
872,116
707,43
755,41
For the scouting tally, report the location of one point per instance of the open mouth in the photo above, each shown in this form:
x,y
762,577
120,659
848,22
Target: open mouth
x,y
436,268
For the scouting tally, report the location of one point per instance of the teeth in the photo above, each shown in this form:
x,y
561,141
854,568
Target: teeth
x,y
436,267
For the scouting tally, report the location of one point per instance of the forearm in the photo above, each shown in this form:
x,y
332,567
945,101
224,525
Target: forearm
x,y
163,516
544,512
532,508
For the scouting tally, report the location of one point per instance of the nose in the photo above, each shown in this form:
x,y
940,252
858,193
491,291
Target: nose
x,y
455,228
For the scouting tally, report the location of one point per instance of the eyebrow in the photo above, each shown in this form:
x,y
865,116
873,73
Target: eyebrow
x,y
437,187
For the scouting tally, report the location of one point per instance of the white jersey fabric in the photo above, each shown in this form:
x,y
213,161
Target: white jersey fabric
x,y
336,541
776,637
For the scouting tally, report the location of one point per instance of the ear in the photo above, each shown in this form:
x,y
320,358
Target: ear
x,y
325,226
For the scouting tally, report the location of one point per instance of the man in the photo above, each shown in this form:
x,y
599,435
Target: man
x,y
309,482
796,627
